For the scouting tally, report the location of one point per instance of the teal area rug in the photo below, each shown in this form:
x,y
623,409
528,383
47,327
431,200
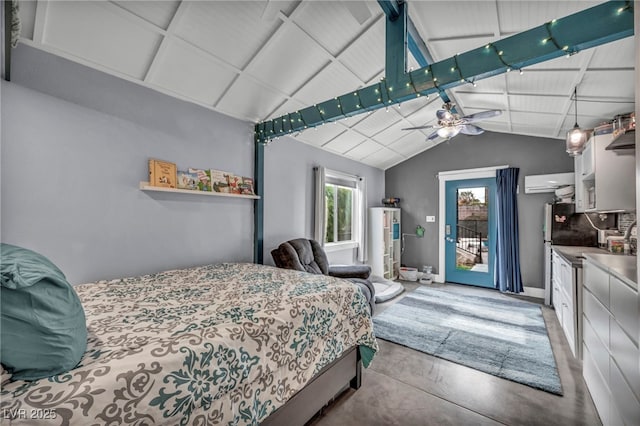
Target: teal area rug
x,y
495,334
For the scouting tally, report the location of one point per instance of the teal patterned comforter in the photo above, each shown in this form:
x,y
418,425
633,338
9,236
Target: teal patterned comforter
x,y
219,344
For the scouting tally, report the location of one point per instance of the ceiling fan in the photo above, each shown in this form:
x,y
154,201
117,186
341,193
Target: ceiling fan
x,y
450,123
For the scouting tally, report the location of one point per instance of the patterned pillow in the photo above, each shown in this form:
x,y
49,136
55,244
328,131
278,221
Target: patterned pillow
x,y
43,329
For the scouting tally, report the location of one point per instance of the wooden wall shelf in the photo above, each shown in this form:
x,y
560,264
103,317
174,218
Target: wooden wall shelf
x,y
144,186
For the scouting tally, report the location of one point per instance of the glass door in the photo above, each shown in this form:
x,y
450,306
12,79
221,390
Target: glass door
x,y
470,231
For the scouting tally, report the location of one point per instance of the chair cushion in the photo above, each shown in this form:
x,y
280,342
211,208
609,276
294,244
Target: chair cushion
x,y
303,255
350,271
43,327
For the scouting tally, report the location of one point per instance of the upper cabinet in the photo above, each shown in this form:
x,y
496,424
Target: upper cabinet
x,y
605,180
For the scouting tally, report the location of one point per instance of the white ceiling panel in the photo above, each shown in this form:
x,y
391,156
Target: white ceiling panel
x,y
265,58
391,134
518,16
344,142
453,19
334,80
573,62
610,83
378,121
263,100
320,135
411,144
495,84
332,24
534,119
288,106
407,109
540,104
383,158
183,69
611,56
158,13
533,129
480,101
549,83
600,109
86,30
365,57
291,43
233,31
364,149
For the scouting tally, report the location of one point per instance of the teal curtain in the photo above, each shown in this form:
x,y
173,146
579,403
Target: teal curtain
x,y
508,277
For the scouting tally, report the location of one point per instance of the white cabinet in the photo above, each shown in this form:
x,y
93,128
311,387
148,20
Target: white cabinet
x,y
607,177
565,302
384,242
611,366
579,190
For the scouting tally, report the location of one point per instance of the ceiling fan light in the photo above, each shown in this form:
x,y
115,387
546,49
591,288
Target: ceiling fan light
x,y
448,132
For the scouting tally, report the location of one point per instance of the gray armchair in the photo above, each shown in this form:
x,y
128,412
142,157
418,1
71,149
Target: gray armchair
x,y
307,255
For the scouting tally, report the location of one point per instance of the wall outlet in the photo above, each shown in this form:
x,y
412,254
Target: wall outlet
x,y
431,218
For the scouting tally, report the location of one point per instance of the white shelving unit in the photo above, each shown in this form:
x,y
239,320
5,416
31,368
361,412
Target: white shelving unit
x,y
384,241
144,186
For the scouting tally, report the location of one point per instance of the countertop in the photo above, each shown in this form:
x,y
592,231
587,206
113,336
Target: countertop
x,y
621,266
571,253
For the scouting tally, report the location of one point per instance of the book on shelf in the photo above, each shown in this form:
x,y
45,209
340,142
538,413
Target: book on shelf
x,y
220,181
246,187
187,180
203,181
162,173
234,183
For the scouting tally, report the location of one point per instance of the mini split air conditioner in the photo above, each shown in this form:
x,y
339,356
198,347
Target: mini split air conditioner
x,y
547,183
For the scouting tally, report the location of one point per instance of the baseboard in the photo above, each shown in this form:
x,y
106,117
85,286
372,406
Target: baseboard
x,y
534,292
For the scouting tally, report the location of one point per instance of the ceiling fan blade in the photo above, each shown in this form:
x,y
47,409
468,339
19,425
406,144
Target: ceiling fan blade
x,y
432,136
470,129
478,116
421,127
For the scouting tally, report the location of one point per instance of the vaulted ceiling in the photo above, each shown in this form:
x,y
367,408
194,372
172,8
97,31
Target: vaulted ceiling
x,y
257,60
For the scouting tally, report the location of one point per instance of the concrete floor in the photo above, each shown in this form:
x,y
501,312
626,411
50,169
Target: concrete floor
x,y
407,387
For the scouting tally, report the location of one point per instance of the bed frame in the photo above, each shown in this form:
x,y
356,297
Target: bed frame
x,y
331,381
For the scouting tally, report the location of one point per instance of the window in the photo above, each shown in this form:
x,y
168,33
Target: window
x,y
339,211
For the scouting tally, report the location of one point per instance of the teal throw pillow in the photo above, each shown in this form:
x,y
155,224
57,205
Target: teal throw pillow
x,y
43,328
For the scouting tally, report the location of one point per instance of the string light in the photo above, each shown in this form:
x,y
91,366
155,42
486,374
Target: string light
x,y
500,53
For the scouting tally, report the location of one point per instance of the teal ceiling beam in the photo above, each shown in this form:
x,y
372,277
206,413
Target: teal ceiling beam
x,y
396,42
8,18
419,50
258,205
592,27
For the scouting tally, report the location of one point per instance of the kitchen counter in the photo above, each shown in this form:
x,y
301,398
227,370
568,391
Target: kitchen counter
x,y
573,254
621,266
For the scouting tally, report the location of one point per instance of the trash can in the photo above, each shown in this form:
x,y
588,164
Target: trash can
x,y
408,274
427,276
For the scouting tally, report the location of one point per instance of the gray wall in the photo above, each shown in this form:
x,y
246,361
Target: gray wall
x,y
415,183
289,197
76,146
71,165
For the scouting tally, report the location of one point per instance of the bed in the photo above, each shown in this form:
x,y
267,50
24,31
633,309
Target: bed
x,y
218,344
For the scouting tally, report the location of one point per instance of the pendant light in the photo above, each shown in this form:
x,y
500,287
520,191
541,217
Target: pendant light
x,y
576,137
